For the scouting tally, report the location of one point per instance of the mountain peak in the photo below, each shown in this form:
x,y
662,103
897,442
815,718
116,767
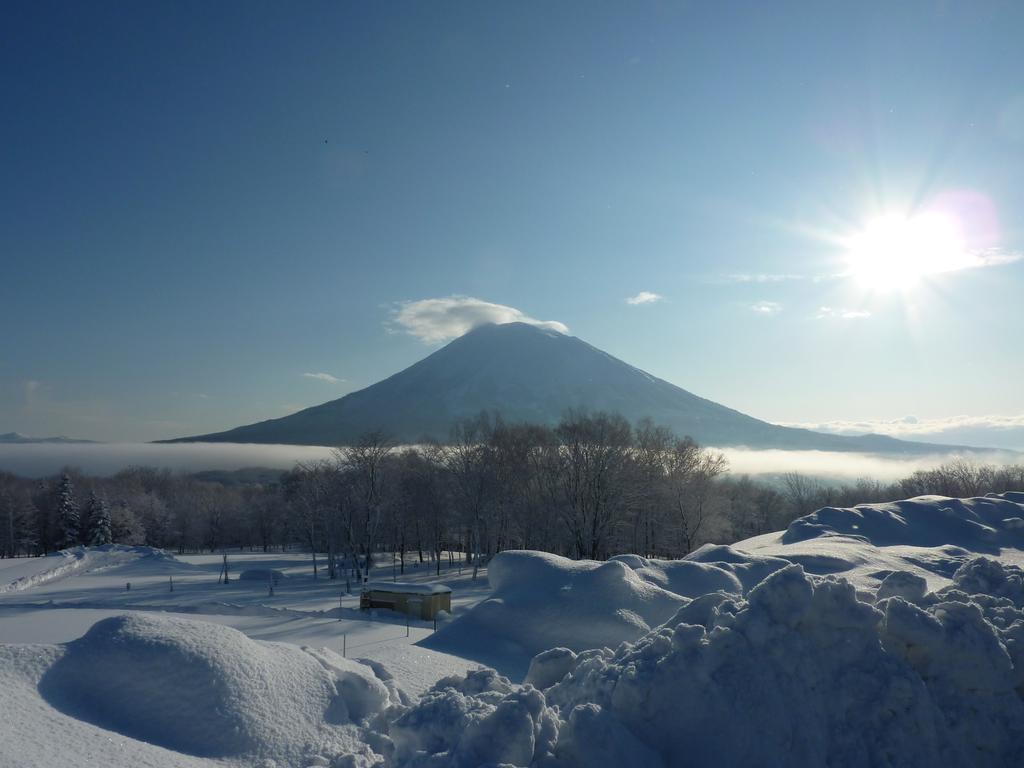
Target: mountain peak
x,y
529,373
514,328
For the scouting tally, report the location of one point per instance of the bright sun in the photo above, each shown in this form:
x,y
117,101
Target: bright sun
x,y
895,252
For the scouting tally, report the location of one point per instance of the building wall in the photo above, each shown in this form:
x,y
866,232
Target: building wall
x,y
399,601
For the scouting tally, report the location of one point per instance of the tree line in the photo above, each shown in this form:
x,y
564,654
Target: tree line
x,y
591,486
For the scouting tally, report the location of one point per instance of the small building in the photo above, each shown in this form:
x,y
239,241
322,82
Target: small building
x,y
419,601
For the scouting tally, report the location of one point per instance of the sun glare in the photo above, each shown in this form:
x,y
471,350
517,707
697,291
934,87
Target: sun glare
x,y
895,252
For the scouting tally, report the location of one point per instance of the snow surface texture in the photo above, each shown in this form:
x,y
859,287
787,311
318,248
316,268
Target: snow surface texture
x,y
981,524
843,641
540,601
60,565
207,690
800,672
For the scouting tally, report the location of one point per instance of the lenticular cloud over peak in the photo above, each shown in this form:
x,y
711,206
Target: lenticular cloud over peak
x,y
434,321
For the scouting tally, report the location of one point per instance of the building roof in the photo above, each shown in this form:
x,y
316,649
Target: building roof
x,y
407,588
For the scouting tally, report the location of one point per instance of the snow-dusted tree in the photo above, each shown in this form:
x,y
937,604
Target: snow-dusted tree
x,y
16,518
68,521
99,532
125,527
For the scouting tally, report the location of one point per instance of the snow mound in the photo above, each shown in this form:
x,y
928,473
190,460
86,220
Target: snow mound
x,y
542,601
208,690
749,569
683,577
800,672
265,575
77,560
981,524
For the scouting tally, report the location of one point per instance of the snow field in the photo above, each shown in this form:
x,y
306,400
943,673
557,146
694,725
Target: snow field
x,y
879,635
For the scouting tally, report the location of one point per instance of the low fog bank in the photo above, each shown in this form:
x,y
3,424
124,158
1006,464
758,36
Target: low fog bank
x,y
40,460
843,466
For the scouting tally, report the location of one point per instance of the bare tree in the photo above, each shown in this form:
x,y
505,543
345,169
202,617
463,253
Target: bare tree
x,y
594,450
468,462
365,464
690,473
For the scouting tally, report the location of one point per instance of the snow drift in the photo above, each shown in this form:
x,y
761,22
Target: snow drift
x,y
208,690
78,560
800,672
982,524
540,601
758,653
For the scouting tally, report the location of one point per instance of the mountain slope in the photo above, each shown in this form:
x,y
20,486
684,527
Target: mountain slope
x,y
19,439
531,374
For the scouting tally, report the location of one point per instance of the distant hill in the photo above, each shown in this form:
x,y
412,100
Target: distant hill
x,y
16,437
532,374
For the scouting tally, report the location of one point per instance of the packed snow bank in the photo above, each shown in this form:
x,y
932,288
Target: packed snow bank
x,y
35,735
108,557
749,569
541,601
982,524
928,536
208,690
800,672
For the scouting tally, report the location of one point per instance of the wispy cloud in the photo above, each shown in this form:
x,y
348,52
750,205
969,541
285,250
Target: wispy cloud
x,y
842,313
438,320
766,307
760,277
993,257
644,297
323,377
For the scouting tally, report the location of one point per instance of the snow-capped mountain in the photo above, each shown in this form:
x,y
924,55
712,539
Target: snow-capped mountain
x,y
17,437
527,373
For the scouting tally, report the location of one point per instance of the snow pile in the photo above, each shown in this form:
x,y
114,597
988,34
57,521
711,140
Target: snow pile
x,y
474,720
749,569
79,560
800,672
45,569
542,601
207,690
982,524
683,577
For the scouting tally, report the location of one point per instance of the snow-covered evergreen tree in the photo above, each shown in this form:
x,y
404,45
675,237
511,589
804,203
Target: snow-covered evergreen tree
x,y
69,524
99,532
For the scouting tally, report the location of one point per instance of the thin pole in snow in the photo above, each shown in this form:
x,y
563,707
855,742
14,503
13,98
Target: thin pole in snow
x,y
171,580
344,645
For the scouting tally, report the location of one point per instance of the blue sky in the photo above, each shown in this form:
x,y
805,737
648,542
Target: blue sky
x,y
202,202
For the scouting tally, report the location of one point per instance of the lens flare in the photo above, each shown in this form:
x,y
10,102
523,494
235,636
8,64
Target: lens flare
x,y
894,252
